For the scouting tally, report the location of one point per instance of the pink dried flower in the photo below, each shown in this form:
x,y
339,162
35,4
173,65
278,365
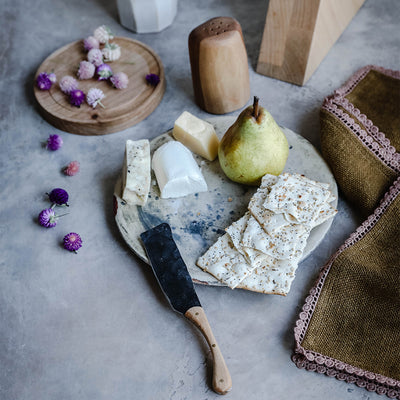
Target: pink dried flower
x,y
76,98
68,84
91,43
120,80
72,242
43,81
94,97
54,142
86,70
95,56
72,168
103,34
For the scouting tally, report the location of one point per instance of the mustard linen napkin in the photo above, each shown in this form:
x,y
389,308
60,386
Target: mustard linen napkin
x,y
349,327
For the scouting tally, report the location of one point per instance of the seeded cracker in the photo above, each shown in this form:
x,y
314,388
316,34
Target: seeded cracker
x,y
224,262
287,243
297,197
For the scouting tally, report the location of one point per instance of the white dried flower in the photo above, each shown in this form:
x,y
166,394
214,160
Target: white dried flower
x,y
111,52
94,97
103,34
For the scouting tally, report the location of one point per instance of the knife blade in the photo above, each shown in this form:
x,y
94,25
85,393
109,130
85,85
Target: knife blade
x,y
177,285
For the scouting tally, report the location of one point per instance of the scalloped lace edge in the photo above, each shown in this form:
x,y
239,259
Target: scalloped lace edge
x,y
355,79
374,140
372,137
317,362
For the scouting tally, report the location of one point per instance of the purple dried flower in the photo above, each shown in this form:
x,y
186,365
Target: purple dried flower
x,y
120,80
52,77
68,84
47,218
76,97
72,242
91,43
152,79
54,142
43,81
94,97
58,196
86,70
103,72
95,56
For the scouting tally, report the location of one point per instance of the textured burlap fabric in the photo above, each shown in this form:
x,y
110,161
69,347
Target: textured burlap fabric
x,y
360,135
349,326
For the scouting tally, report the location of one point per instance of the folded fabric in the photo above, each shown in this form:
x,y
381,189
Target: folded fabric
x,y
360,135
349,327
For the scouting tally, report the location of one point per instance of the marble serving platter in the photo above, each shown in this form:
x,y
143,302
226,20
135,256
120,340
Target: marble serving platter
x,y
198,220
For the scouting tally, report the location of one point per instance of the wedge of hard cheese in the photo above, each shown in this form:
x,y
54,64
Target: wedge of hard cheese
x,y
136,172
197,135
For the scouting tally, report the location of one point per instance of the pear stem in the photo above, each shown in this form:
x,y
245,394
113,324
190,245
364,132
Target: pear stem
x,y
255,107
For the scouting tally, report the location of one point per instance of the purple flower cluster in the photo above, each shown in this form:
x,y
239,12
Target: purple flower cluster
x,y
48,218
72,242
54,142
44,81
152,79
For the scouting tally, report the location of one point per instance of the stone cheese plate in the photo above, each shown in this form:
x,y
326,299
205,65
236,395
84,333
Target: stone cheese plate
x,y
198,220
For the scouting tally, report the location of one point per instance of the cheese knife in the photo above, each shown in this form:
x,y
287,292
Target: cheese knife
x,y
177,285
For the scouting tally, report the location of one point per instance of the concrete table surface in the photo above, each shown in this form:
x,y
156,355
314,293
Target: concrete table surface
x,y
95,325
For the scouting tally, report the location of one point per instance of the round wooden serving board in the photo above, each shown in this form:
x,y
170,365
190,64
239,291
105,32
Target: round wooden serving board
x,y
123,108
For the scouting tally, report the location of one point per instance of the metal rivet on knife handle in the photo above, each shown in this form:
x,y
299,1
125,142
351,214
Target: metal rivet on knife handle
x,y
222,382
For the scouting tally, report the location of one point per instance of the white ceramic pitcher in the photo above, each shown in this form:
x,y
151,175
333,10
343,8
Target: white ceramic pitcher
x,y
144,16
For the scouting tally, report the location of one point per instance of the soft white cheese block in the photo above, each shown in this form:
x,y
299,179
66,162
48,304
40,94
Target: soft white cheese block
x,y
136,172
176,171
197,135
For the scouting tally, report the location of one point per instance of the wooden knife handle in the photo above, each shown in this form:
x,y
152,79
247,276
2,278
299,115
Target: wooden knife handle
x,y
222,382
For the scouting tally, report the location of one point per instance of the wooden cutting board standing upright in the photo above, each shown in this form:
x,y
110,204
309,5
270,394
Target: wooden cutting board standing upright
x,y
220,71
298,35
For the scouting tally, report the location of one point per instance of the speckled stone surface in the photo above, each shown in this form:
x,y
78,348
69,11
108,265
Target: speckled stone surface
x,y
95,325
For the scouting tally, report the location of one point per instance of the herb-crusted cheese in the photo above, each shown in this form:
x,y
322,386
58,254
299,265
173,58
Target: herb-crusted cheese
x,y
197,135
136,172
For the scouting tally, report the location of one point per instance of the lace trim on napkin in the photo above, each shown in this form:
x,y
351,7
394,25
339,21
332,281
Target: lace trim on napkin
x,y
374,140
360,75
371,136
313,361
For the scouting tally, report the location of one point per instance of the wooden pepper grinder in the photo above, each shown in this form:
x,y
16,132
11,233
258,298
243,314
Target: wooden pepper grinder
x,y
218,60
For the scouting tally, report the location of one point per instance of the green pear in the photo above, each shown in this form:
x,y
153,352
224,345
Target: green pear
x,y
253,146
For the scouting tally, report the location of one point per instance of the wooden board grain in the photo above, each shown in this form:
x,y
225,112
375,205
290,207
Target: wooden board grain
x,y
123,108
298,35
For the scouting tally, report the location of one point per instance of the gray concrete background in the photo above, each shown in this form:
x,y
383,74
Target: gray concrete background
x,y
96,325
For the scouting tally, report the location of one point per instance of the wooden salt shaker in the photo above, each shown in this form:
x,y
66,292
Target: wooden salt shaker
x,y
218,60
